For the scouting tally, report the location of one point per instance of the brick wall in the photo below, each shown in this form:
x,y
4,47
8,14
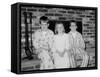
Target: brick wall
x,y
87,17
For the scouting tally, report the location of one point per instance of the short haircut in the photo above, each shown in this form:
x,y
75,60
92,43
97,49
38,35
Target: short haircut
x,y
44,18
73,21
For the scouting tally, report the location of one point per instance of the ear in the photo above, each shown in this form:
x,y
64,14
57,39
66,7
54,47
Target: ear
x,y
69,27
48,25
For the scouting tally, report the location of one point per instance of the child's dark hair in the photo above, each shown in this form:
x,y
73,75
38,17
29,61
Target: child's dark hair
x,y
44,18
73,21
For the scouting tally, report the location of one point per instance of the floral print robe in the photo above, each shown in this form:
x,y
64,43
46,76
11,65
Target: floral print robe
x,y
42,41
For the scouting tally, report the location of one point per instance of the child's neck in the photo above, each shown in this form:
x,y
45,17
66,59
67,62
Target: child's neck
x,y
44,29
73,31
60,33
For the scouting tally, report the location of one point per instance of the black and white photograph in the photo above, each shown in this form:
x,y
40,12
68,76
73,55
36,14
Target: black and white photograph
x,y
55,37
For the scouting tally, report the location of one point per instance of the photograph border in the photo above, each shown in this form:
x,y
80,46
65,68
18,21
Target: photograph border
x,y
18,58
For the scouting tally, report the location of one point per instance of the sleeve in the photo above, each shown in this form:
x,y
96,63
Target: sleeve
x,y
70,41
71,44
35,39
81,41
53,48
51,37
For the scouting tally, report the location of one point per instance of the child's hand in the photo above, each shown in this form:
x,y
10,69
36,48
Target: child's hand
x,y
61,54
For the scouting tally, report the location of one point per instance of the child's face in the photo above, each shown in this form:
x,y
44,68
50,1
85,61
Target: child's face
x,y
44,25
60,28
73,26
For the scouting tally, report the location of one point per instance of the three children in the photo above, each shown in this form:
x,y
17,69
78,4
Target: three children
x,y
61,49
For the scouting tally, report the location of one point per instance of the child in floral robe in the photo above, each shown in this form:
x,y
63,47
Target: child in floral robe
x,y
42,41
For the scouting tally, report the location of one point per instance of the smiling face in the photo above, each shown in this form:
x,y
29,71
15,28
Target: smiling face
x,y
59,28
44,25
73,26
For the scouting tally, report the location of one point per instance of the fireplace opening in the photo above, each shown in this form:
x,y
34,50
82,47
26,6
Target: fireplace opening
x,y
66,25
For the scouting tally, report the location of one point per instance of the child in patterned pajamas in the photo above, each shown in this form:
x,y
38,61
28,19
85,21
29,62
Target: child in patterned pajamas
x,y
42,41
78,44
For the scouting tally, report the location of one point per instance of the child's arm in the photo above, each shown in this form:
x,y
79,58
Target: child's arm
x,y
81,42
71,44
50,39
